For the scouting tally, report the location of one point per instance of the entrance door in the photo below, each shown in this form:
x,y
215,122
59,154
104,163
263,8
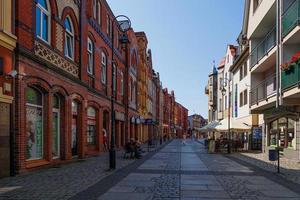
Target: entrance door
x,y
74,136
4,139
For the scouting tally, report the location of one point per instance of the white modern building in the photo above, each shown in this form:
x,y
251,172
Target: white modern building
x,y
268,56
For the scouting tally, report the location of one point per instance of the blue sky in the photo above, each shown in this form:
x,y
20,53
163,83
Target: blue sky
x,y
185,36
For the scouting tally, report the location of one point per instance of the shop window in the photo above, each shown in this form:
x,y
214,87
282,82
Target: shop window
x,y
282,131
34,124
56,127
91,126
69,39
42,20
74,143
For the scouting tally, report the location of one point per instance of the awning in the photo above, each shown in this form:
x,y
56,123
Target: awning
x,y
209,127
235,125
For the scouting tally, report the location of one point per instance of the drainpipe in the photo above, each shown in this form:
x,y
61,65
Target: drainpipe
x,y
13,106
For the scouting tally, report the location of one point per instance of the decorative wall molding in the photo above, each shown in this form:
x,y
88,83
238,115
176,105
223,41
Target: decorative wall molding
x,y
46,53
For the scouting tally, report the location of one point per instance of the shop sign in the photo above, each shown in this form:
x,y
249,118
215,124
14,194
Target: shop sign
x,y
280,111
138,120
132,120
148,121
257,133
120,116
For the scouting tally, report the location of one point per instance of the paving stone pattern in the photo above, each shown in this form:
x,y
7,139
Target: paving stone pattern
x,y
178,171
289,169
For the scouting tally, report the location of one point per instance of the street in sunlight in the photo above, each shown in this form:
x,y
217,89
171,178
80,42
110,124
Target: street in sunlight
x,y
149,100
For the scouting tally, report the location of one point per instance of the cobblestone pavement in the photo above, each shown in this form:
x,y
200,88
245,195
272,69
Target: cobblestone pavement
x,y
186,171
289,169
176,171
61,182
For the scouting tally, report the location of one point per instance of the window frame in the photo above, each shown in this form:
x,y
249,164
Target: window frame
x,y
47,12
90,57
99,12
58,111
72,38
43,119
103,68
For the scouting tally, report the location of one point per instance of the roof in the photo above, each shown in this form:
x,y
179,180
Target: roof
x,y
222,63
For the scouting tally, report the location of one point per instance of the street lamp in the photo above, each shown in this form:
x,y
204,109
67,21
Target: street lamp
x,y
124,25
228,113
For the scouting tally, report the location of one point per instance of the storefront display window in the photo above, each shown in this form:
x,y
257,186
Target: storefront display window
x,y
74,128
91,126
282,131
56,127
34,124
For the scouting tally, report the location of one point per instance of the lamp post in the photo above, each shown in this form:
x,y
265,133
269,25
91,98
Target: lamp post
x,y
124,25
228,113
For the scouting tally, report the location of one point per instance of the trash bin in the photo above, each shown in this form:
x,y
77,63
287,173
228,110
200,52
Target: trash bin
x,y
273,155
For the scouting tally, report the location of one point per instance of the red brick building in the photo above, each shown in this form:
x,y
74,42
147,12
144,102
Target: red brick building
x,y
7,46
181,120
66,69
63,100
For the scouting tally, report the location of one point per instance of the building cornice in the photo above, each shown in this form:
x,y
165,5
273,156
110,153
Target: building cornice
x,y
8,40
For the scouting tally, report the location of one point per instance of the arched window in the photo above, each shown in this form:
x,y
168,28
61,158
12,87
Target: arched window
x,y
90,50
42,21
103,67
99,12
91,126
56,126
69,39
34,124
95,9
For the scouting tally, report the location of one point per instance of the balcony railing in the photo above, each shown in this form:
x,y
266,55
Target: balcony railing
x,y
291,18
290,77
263,47
263,90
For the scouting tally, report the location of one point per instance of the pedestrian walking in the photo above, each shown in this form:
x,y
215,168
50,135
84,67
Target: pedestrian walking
x,y
184,139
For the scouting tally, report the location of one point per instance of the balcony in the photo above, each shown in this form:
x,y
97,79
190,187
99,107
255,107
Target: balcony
x,y
291,18
263,48
263,90
290,77
206,90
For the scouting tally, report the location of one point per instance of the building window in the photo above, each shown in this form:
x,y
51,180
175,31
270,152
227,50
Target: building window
x,y
243,71
103,67
95,9
34,124
99,12
90,49
244,98
69,39
107,25
56,127
91,126
241,99
114,77
122,83
42,20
